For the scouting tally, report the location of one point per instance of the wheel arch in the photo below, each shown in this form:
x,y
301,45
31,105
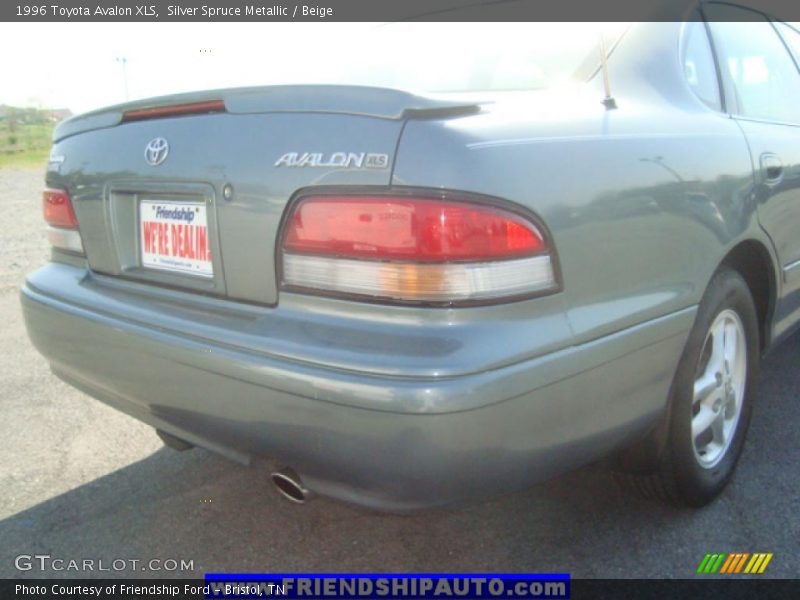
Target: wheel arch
x,y
753,261
751,258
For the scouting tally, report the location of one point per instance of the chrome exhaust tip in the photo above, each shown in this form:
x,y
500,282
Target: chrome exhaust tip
x,y
290,486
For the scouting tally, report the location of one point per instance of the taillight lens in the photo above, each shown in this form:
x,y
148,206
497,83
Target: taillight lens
x,y
62,226
58,209
414,249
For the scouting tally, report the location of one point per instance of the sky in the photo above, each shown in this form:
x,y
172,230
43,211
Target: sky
x,y
85,66
75,66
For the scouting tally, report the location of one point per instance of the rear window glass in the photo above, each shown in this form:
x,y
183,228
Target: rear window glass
x,y
459,57
698,64
759,68
792,37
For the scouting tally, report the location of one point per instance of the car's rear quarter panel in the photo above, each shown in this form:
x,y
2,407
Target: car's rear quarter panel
x,y
643,202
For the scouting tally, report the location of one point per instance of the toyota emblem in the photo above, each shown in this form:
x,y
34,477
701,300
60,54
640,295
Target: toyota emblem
x,y
156,151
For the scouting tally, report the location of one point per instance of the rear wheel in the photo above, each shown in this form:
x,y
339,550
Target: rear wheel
x,y
711,397
718,391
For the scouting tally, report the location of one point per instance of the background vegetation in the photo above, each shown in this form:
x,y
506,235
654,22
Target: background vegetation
x,y
25,136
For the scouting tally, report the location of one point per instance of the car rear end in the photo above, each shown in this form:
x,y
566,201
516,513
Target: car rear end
x,y
244,271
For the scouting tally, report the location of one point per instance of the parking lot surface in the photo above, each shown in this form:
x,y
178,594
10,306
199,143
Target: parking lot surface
x,y
81,481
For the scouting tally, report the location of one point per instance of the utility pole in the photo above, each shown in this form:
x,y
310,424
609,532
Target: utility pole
x,y
124,61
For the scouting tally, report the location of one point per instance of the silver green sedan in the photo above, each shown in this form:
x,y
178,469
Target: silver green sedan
x,y
562,245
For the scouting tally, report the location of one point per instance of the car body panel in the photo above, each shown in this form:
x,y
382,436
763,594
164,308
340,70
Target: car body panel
x,y
326,333
775,146
387,442
615,187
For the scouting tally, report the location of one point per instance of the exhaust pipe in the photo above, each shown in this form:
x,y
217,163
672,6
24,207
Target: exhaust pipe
x,y
290,486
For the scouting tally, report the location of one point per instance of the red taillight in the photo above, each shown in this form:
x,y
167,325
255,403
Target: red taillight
x,y
174,110
62,226
58,209
416,249
420,230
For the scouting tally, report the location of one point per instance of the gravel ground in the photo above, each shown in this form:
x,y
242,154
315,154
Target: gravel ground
x,y
82,481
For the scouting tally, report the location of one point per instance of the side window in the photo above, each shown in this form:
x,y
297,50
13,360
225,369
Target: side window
x,y
755,64
791,36
698,64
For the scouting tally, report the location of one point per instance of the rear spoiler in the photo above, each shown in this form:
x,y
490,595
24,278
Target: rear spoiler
x,y
382,103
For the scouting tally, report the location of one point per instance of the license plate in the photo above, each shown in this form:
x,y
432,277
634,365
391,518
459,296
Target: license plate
x,y
173,236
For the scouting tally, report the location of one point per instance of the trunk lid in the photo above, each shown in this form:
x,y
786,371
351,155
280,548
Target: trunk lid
x,y
377,102
263,146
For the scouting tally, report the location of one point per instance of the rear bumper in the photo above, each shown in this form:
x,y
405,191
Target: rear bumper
x,y
538,417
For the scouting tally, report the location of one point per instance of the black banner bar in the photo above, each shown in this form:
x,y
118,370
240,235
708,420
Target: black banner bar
x,y
727,588
367,10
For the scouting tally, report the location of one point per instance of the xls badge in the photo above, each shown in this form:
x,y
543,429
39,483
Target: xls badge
x,y
335,160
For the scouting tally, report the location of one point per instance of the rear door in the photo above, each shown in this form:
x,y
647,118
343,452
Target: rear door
x,y
762,92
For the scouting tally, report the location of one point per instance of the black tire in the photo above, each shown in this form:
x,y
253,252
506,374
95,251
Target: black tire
x,y
677,474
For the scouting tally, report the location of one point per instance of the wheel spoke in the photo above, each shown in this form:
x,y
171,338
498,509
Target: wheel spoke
x,y
716,361
731,346
703,420
730,407
718,428
705,385
712,449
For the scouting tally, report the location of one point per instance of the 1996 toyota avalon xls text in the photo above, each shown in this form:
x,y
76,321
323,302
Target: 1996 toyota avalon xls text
x,y
408,299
